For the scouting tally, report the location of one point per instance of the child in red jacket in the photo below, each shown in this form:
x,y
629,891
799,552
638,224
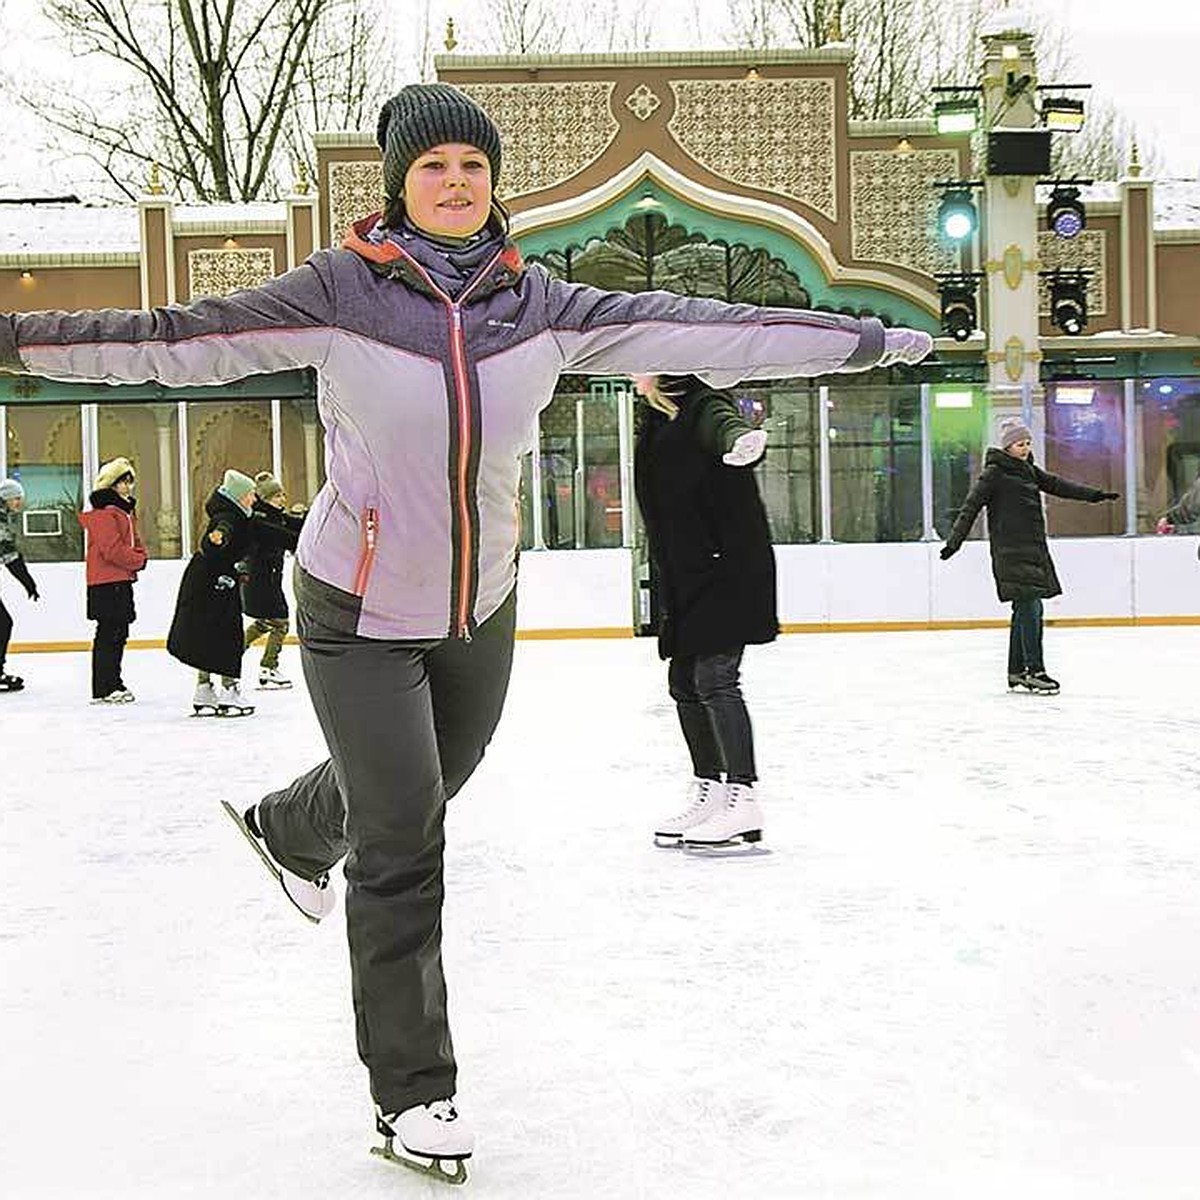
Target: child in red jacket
x,y
115,555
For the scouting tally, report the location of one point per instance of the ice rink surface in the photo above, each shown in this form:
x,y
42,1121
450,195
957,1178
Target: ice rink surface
x,y
968,967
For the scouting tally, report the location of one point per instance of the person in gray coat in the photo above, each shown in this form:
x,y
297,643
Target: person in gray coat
x,y
12,498
435,347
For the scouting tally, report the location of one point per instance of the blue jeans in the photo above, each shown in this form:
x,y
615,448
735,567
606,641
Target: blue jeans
x,y
1025,638
712,715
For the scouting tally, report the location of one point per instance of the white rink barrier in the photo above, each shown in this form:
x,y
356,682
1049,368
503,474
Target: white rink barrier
x,y
582,593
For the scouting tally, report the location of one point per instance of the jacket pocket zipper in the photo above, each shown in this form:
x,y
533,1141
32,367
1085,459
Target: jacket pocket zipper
x,y
370,535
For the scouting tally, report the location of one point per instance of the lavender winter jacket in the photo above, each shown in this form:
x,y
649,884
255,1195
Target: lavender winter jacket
x,y
428,403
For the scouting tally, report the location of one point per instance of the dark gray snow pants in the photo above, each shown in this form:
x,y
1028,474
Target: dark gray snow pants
x,y
406,723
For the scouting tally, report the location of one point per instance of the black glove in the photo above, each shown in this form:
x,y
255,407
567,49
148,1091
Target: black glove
x,y
1108,496
946,551
224,583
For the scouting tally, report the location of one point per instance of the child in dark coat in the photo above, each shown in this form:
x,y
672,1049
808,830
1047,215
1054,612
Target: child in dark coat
x,y
115,555
262,593
711,547
1011,489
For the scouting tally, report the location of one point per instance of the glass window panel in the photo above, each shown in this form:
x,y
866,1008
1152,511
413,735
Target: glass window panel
x,y
1085,443
302,450
875,464
223,435
557,447
148,435
788,474
1167,430
525,502
959,423
602,466
45,453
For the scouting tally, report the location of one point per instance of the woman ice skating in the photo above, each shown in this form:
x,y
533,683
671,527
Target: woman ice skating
x,y
715,568
12,499
115,555
206,632
1010,488
262,593
436,347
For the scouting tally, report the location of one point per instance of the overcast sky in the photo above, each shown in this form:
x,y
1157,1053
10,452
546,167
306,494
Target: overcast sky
x,y
1142,55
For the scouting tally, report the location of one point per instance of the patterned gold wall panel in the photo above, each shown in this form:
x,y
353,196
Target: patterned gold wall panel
x,y
219,272
773,134
893,207
550,131
1086,252
355,191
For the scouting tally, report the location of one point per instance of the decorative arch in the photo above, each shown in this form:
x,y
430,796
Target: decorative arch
x,y
723,218
229,435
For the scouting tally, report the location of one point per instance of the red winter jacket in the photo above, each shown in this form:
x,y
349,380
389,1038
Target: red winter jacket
x,y
114,548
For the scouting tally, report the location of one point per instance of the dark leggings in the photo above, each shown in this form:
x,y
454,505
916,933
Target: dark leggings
x,y
712,715
406,723
5,633
1025,638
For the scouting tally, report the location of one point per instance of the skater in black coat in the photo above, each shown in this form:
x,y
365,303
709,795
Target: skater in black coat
x,y
1011,489
263,599
206,632
12,497
710,547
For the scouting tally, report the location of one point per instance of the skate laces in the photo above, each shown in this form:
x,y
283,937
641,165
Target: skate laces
x,y
702,789
442,1110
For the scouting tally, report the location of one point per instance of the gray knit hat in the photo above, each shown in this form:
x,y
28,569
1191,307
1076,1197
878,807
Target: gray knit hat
x,y
423,115
266,485
10,489
1013,429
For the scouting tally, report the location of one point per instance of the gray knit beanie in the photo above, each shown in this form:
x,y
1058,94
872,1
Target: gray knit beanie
x,y
266,485
1013,429
10,489
236,486
423,115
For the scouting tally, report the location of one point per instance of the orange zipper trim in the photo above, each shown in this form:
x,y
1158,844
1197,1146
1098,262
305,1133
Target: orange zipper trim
x,y
370,535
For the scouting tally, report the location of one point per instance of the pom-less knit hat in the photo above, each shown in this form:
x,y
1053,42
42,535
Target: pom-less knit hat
x,y
424,115
1013,429
10,489
266,485
111,473
236,486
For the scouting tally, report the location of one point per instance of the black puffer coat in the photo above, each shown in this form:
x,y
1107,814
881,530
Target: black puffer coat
x,y
262,593
1011,490
706,525
206,632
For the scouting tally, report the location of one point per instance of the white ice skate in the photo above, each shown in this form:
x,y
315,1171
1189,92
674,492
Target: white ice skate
x,y
705,798
434,1140
230,702
270,680
316,898
11,683
738,821
117,696
204,700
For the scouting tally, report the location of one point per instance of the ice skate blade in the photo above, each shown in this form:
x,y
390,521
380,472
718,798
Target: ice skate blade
x,y
431,1168
245,711
668,841
267,861
204,710
273,687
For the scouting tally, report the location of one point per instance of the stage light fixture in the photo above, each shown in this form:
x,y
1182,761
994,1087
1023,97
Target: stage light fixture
x,y
1068,301
1061,114
957,217
1065,214
956,116
960,308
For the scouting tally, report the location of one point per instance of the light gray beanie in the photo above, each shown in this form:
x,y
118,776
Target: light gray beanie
x,y
10,489
1013,429
236,485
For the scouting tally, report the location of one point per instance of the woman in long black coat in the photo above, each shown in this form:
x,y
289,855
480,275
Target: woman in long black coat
x,y
206,632
1011,489
710,546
